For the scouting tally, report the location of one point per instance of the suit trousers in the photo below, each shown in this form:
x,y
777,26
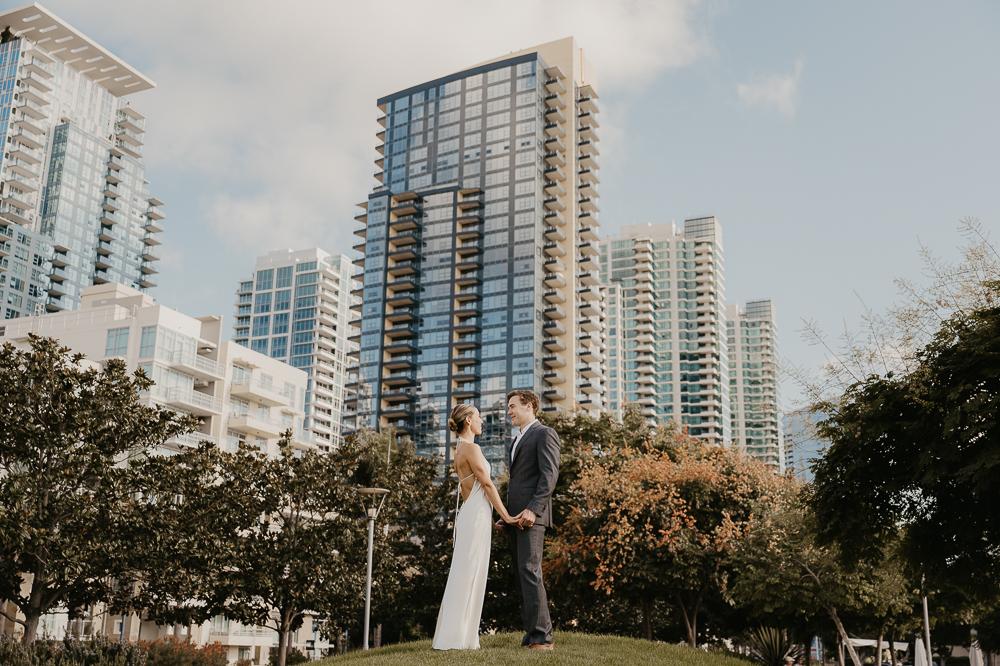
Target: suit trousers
x,y
526,551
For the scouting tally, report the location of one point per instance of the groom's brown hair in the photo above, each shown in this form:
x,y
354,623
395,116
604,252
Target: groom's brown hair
x,y
526,397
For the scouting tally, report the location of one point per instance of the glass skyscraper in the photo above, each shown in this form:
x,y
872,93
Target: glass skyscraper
x,y
671,359
479,244
296,307
75,207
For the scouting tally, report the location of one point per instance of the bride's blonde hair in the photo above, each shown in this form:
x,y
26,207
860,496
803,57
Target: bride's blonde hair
x,y
460,417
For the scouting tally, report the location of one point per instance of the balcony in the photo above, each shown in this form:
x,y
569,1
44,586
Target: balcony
x,y
553,344
401,331
255,389
554,296
404,268
468,248
555,116
552,249
405,209
401,298
466,326
556,280
402,315
588,119
464,342
31,108
192,401
467,219
465,358
405,346
554,188
554,312
554,218
588,232
193,364
553,377
403,239
399,396
404,223
402,362
588,279
465,391
468,264
554,394
554,129
400,379
406,283
257,425
554,328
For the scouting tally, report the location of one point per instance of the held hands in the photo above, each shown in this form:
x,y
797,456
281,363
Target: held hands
x,y
522,520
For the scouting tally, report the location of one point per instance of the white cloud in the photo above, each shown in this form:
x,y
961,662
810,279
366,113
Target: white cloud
x,y
779,92
271,109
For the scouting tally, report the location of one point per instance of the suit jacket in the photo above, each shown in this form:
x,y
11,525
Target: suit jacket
x,y
534,472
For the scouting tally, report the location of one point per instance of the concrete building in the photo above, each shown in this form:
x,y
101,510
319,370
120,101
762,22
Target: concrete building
x,y
753,379
236,393
479,247
669,320
75,207
296,307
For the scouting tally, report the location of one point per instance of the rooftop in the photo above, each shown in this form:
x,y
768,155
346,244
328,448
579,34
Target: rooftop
x,y
63,42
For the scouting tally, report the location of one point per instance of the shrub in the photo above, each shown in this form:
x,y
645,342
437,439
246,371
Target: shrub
x,y
71,652
171,651
769,646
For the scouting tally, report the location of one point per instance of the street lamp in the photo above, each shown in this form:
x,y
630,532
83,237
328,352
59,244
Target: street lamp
x,y
377,497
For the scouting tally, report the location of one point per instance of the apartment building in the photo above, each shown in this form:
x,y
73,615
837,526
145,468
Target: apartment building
x,y
478,249
669,319
753,374
75,206
296,307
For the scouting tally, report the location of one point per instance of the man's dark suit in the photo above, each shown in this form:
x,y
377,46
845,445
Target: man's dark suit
x,y
534,471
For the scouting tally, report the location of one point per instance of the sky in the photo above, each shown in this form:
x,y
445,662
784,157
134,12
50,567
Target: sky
x,y
831,140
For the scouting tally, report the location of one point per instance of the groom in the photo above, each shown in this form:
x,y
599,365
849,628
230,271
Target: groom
x,y
533,462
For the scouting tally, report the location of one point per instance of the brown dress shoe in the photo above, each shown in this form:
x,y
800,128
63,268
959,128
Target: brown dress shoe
x,y
541,646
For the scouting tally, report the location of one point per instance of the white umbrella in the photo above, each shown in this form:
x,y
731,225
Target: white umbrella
x,y
919,653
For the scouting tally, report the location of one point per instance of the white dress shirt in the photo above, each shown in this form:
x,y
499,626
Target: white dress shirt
x,y
513,447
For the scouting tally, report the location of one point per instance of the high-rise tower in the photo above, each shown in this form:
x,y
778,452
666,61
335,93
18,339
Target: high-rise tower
x,y
753,369
296,308
480,269
668,292
75,207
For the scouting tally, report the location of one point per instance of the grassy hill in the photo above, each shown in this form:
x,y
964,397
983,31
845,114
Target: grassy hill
x,y
571,650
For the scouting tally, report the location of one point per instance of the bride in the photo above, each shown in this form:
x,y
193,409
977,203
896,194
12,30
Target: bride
x,y
462,605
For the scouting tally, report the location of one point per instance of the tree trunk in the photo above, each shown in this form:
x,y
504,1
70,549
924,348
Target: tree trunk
x,y
844,638
647,618
878,648
840,650
691,619
283,643
892,647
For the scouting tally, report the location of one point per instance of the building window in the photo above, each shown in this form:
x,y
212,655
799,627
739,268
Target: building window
x,y
147,343
265,279
283,278
117,342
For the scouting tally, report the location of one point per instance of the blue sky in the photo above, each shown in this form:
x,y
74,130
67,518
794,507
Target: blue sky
x,y
829,138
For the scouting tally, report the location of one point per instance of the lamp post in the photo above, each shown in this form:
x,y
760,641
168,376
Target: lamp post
x,y
372,508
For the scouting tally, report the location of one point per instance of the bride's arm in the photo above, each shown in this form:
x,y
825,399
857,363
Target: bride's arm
x,y
482,474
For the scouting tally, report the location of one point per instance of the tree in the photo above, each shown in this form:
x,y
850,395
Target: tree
x,y
785,574
187,511
64,496
921,451
661,524
304,548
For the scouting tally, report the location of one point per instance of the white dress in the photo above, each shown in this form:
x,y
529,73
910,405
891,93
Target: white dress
x,y
462,604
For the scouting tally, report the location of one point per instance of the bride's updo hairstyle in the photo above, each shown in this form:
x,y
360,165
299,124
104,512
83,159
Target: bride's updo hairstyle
x,y
459,417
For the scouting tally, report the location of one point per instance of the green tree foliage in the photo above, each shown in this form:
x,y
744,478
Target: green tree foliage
x,y
65,500
300,551
921,451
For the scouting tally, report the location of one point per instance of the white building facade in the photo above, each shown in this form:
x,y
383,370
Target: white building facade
x,y
296,307
668,319
75,206
753,371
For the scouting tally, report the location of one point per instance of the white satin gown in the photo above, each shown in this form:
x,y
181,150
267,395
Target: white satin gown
x,y
462,604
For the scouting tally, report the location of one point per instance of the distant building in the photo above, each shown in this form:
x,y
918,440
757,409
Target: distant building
x,y
237,394
753,380
666,294
803,445
296,307
75,206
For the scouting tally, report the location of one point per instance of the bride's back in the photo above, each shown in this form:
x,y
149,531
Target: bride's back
x,y
462,464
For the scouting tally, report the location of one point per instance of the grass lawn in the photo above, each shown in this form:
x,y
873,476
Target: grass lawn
x,y
571,649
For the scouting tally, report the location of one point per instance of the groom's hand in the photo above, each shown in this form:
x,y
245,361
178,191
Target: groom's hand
x,y
526,519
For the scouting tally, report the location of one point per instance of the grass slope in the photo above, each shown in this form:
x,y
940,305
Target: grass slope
x,y
571,649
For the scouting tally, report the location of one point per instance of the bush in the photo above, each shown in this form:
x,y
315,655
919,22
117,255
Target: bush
x,y
769,646
70,652
295,656
172,651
